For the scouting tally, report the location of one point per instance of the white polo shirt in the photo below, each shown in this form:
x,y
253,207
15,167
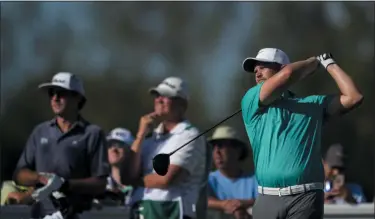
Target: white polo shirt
x,y
191,157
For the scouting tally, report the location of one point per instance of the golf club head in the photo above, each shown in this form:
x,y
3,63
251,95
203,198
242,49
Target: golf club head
x,y
161,164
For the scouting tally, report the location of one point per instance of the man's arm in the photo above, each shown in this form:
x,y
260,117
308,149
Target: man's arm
x,y
350,96
215,203
130,168
174,175
24,174
87,186
115,174
247,203
27,177
182,163
287,76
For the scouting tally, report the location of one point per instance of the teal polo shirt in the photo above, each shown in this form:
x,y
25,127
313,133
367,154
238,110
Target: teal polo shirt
x,y
285,137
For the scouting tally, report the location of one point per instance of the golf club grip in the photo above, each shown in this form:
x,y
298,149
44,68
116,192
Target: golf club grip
x,y
238,111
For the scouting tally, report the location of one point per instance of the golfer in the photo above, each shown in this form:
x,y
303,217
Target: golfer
x,y
66,154
285,132
174,195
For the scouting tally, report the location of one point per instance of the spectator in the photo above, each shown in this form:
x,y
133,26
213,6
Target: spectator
x,y
119,141
175,194
336,189
15,194
232,190
66,154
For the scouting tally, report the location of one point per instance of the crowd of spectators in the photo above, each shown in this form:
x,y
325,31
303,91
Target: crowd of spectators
x,y
228,189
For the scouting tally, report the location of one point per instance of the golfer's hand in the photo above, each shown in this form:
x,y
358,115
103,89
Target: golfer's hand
x,y
230,206
146,123
19,198
326,59
54,183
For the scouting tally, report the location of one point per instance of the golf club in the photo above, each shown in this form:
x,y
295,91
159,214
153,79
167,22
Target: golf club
x,y
161,161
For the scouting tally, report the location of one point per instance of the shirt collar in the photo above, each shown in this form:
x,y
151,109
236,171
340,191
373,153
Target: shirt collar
x,y
180,127
288,94
81,122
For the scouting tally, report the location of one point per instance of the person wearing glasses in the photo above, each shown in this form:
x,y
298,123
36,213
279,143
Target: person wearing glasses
x,y
119,141
65,157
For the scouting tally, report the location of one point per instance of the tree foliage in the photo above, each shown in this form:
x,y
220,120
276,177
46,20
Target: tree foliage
x,y
121,49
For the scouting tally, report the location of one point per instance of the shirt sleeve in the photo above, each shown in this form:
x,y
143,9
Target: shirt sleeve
x,y
190,156
98,155
322,101
255,188
211,186
27,159
250,103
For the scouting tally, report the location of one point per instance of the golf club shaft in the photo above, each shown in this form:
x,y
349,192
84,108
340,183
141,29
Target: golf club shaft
x,y
238,111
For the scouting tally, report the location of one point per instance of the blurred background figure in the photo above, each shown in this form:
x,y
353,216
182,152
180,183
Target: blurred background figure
x,y
66,153
337,190
176,193
12,194
231,189
119,141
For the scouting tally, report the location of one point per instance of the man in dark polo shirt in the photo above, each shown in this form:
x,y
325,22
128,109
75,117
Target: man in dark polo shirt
x,y
66,154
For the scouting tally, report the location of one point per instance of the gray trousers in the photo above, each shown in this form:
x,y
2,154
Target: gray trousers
x,y
308,205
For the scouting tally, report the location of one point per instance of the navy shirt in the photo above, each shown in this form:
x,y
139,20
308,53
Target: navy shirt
x,y
78,153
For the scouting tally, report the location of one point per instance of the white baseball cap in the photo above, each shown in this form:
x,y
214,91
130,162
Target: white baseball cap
x,y
172,87
266,55
66,81
121,134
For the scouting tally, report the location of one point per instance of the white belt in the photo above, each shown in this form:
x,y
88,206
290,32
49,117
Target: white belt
x,y
290,190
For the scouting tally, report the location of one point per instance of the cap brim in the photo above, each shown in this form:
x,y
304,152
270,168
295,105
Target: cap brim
x,y
249,63
51,85
243,145
210,140
127,143
161,91
46,86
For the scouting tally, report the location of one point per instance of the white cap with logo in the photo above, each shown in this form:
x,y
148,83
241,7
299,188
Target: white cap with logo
x,y
121,134
172,87
272,55
66,81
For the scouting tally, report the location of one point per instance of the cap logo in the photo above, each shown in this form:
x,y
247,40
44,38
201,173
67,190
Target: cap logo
x,y
169,85
58,81
261,51
120,134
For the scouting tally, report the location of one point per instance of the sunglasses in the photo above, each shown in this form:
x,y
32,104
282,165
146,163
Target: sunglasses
x,y
117,144
271,65
60,93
